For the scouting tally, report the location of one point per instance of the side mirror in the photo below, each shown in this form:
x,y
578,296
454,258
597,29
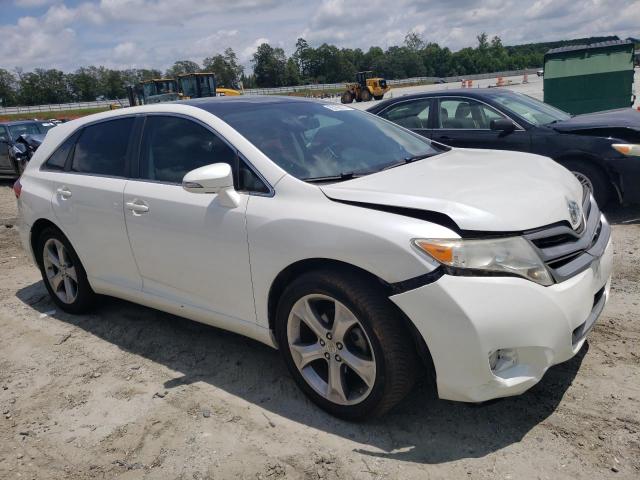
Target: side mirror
x,y
216,178
502,125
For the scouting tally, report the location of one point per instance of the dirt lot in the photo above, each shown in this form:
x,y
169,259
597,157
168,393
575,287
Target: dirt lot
x,y
135,393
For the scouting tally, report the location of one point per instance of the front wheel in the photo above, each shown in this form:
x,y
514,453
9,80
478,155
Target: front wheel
x,y
63,273
592,178
346,97
345,344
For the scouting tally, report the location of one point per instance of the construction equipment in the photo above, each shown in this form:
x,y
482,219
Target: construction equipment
x,y
365,87
186,86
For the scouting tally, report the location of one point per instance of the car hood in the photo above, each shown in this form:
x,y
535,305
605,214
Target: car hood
x,y
610,119
479,190
33,140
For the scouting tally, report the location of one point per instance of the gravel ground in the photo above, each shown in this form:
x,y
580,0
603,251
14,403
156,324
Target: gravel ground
x,y
135,393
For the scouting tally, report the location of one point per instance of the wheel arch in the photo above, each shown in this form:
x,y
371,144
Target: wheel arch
x,y
291,272
599,163
37,228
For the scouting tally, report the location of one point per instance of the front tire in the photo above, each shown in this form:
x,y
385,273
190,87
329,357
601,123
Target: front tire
x,y
592,178
345,344
63,273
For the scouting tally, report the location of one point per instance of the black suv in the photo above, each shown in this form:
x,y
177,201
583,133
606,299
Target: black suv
x,y
601,149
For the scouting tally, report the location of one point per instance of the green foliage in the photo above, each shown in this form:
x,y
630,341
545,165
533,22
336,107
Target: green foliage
x,y
226,68
271,68
181,67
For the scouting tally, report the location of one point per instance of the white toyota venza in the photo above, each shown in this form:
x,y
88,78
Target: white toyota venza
x,y
366,254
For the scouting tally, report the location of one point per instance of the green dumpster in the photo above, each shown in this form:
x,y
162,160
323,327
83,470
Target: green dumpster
x,y
589,78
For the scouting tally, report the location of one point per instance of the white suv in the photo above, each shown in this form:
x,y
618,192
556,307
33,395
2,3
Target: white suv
x,y
365,253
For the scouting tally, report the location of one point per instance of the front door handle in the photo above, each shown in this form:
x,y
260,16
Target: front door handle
x,y
137,206
64,192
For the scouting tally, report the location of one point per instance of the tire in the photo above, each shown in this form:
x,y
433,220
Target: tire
x,y
73,294
378,344
592,177
365,95
378,97
346,97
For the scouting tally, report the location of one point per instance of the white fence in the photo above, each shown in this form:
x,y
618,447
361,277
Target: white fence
x,y
265,91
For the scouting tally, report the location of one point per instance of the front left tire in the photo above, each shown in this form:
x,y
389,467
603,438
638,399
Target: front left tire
x,y
345,344
63,273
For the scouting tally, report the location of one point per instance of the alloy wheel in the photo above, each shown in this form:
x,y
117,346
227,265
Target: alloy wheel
x,y
60,271
331,349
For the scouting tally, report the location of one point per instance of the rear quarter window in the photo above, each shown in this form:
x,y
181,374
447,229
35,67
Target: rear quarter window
x,y
102,148
58,159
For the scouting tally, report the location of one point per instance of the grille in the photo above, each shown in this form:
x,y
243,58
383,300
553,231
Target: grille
x,y
567,252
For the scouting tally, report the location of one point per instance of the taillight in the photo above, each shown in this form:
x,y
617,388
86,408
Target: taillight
x,y
17,188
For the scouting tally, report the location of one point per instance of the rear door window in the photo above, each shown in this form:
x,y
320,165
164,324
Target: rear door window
x,y
102,148
410,114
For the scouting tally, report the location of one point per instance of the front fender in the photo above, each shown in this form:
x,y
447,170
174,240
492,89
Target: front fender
x,y
286,229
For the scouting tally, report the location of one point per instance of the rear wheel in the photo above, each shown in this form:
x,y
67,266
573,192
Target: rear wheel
x,y
592,179
345,344
346,97
63,273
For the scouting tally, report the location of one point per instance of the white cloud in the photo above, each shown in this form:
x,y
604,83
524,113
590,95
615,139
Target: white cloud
x,y
69,35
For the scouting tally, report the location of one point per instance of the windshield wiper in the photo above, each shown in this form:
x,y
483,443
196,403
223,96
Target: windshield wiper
x,y
333,178
406,160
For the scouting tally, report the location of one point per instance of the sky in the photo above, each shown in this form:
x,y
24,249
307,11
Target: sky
x,y
67,34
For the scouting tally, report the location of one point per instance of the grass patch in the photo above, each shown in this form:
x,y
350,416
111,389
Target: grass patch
x,y
59,114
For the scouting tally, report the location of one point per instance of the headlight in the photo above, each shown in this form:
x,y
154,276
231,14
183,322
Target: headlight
x,y
499,256
629,149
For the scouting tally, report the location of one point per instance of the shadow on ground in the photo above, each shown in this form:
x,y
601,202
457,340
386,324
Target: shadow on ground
x,y
422,429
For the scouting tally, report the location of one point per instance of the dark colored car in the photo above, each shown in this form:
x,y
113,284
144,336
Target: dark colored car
x,y
601,149
18,141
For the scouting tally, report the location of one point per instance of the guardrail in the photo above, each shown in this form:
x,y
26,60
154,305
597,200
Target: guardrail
x,y
267,91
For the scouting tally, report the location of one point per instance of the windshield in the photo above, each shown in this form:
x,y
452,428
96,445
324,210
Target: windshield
x,y
532,110
29,128
313,140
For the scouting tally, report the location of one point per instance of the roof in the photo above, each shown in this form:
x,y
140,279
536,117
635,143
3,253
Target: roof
x,y
458,92
591,46
20,122
222,105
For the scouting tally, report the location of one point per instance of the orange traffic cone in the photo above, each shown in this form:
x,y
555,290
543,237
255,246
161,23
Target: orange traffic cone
x,y
469,83
500,82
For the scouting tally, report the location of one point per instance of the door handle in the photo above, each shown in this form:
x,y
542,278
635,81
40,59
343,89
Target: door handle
x,y
444,137
64,192
137,206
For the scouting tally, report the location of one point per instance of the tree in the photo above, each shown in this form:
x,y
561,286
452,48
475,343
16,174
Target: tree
x,y
181,67
269,66
225,67
8,85
292,74
413,41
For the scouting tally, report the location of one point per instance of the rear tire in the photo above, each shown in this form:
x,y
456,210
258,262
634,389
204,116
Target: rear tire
x,y
63,273
591,177
356,364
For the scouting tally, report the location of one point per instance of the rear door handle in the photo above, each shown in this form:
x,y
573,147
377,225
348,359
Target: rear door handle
x,y
137,206
64,192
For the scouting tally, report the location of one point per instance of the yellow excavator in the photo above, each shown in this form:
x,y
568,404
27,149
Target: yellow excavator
x,y
365,88
188,85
